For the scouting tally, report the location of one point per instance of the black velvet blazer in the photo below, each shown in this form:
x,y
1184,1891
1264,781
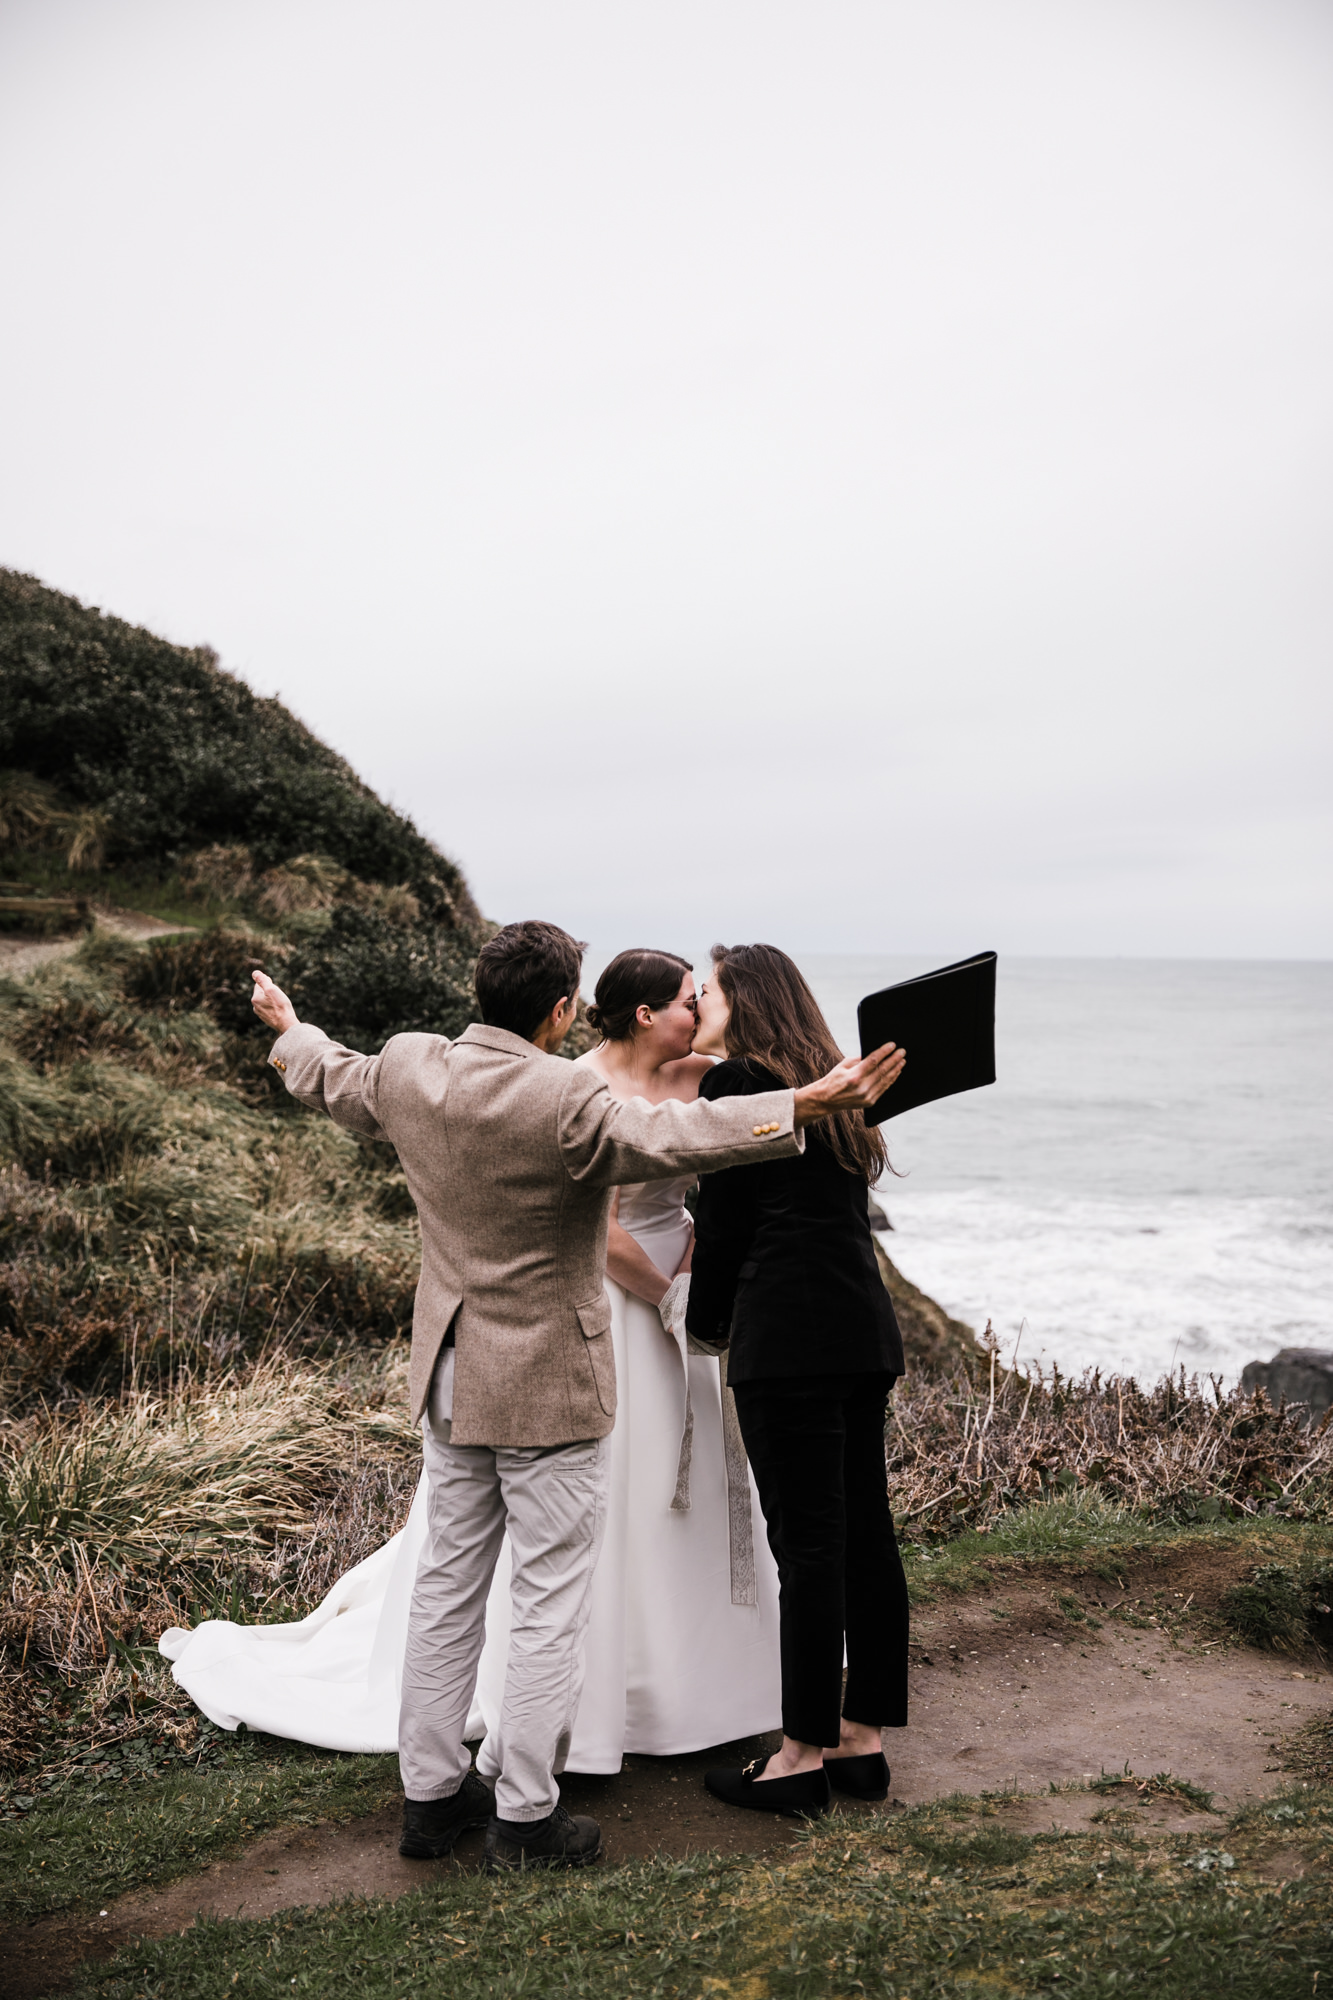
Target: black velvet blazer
x,y
784,1262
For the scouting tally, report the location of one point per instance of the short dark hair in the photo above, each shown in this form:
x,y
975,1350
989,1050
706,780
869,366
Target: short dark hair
x,y
632,980
522,971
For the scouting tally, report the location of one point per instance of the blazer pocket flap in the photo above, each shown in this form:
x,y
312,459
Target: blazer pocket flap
x,y
595,1317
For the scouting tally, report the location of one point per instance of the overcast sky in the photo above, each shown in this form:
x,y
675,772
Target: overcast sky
x,y
852,474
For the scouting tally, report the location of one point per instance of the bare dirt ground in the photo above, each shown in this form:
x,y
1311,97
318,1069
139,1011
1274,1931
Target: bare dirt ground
x,y
20,954
1007,1692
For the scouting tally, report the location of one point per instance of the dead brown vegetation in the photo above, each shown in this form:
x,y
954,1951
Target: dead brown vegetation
x,y
968,1444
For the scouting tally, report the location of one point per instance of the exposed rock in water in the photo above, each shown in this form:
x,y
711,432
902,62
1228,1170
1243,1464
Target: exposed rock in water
x,y
1294,1375
931,1340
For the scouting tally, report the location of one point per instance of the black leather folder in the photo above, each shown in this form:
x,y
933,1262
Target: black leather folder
x,y
945,1021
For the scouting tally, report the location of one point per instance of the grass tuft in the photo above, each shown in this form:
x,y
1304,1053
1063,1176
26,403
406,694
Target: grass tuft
x,y
1282,1605
1162,1785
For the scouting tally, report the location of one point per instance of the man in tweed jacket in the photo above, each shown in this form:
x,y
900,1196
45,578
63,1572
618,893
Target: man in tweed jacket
x,y
511,1155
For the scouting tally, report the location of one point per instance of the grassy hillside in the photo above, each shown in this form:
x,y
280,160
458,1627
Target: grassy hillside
x,y
163,1202
160,1200
174,755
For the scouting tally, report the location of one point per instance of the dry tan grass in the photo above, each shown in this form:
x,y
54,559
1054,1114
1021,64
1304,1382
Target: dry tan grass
x,y
369,1503
120,1519
964,1447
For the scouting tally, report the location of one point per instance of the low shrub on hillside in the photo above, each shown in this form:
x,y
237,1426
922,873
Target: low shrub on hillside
x,y
212,971
35,819
368,977
363,976
1282,1605
229,1491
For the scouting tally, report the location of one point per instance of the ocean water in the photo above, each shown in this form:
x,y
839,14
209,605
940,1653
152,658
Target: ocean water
x,y
1148,1184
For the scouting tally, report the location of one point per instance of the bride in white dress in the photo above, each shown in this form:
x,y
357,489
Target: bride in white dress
x,y
682,1647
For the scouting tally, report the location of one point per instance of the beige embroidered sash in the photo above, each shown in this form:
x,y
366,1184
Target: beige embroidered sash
x,y
740,1517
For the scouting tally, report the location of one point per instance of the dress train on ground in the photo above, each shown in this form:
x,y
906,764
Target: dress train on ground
x,y
672,1663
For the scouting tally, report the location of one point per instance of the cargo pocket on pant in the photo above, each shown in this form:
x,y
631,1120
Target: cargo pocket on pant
x,y
595,1322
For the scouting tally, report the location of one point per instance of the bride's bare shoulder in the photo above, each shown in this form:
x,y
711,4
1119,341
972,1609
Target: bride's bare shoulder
x,y
686,1075
591,1066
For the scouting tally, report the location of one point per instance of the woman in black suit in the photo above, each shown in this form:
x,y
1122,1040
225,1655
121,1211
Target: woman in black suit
x,y
784,1275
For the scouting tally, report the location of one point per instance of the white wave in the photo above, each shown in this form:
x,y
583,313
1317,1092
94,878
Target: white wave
x,y
1137,1288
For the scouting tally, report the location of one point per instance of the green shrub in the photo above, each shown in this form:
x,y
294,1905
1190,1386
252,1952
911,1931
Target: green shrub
x,y
1278,1606
177,975
160,1193
362,976
367,977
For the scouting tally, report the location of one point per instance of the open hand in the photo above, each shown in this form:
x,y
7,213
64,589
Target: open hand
x,y
271,1004
855,1082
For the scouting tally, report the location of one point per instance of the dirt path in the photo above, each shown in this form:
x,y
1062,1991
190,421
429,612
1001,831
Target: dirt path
x,y
20,954
1006,1691
1029,1703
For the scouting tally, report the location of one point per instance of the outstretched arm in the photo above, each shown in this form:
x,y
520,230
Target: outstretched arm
x,y
858,1081
607,1140
318,1072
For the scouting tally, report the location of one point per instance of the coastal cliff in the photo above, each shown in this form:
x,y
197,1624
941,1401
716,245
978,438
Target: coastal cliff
x,y
933,1343
163,830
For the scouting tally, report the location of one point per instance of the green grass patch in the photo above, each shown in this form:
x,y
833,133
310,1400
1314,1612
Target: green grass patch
x,y
945,1900
1082,1534
120,1822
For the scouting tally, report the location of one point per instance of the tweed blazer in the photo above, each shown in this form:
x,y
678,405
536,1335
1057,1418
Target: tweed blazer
x,y
511,1156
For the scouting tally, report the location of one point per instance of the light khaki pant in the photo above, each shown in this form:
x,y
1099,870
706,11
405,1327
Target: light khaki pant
x,y
553,1503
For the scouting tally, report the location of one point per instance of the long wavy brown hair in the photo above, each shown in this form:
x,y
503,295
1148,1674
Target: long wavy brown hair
x,y
775,1020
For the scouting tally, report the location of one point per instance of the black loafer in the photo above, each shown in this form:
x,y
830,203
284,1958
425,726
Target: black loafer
x,y
561,1840
431,1826
806,1796
860,1777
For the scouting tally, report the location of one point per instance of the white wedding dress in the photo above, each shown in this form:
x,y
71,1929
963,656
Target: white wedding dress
x,y
682,1647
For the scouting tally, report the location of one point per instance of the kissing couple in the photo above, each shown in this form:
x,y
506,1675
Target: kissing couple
x,y
560,1267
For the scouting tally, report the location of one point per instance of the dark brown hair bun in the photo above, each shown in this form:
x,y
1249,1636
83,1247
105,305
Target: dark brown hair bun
x,y
634,979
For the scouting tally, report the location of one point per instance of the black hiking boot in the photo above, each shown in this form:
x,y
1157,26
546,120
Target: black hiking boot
x,y
558,1841
431,1826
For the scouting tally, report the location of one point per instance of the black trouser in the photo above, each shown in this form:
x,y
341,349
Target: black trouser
x,y
816,1445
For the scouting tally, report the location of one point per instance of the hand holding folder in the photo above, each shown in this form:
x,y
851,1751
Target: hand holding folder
x,y
945,1022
